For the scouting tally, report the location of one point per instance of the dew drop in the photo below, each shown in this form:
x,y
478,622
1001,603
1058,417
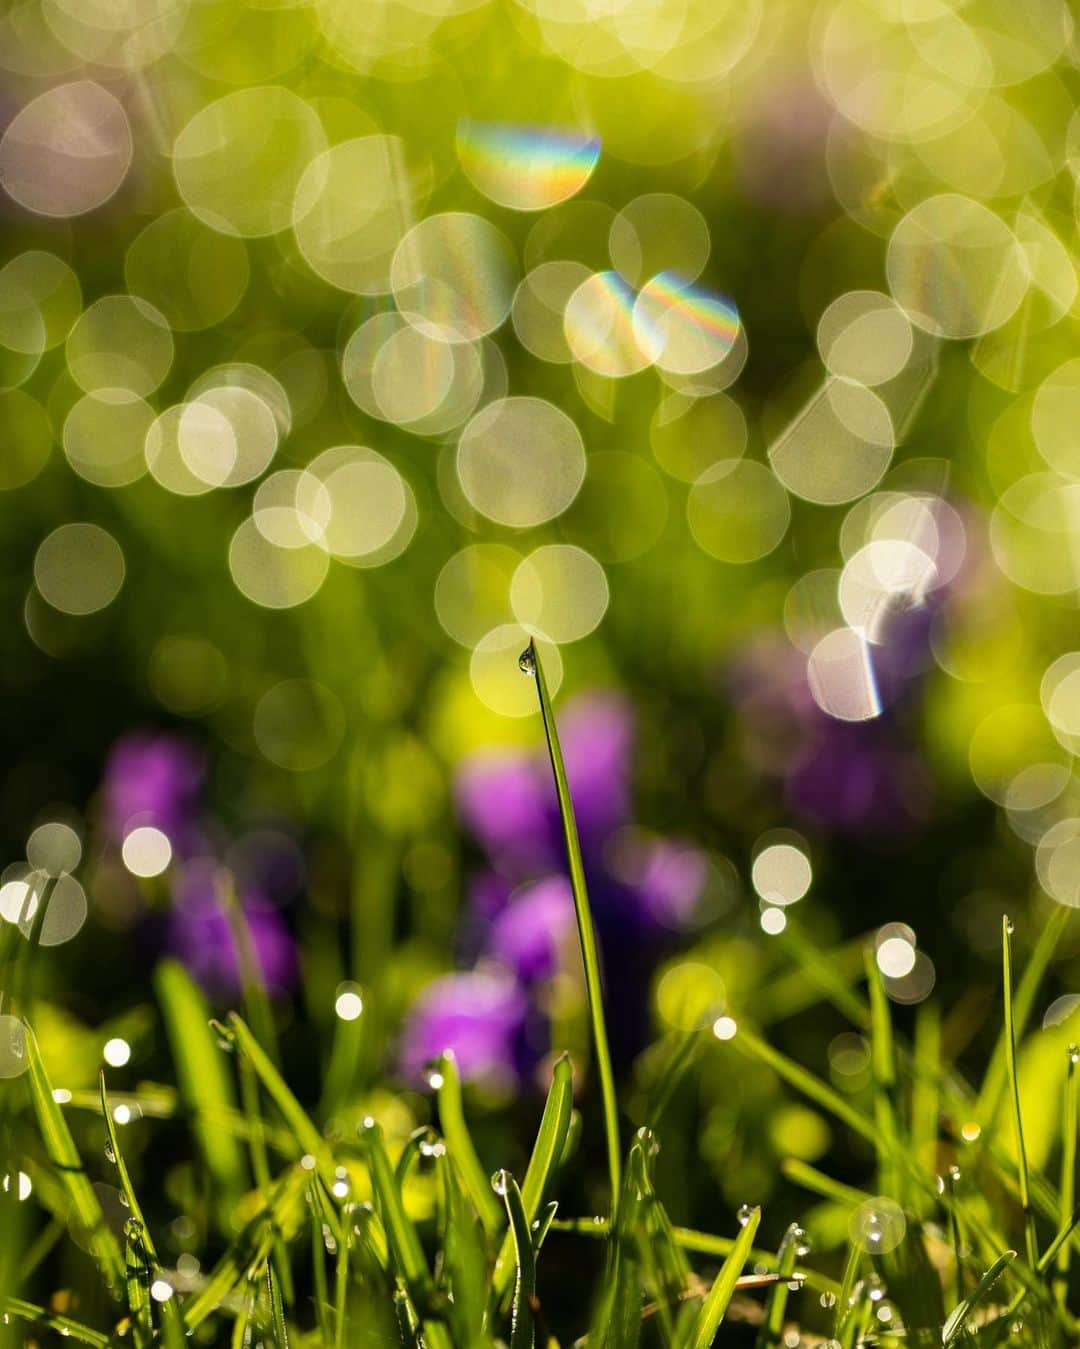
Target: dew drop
x,y
875,1288
801,1241
133,1229
744,1214
954,1174
527,662
500,1182
1010,926
1074,1053
110,1155
650,1144
828,1300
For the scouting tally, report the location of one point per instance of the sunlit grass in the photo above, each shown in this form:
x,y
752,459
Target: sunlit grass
x,y
352,1240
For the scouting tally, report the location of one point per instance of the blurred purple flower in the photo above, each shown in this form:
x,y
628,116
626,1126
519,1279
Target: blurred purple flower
x,y
521,911
200,935
530,933
479,1015
154,780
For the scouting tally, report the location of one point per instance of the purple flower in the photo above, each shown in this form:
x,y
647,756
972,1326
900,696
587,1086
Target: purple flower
x,y
155,780
200,935
502,799
479,1015
521,912
529,936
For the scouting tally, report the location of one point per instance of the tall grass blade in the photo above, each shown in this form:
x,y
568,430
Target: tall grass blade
x,y
802,1080
522,1329
460,1145
66,1162
594,988
1070,1121
1030,1241
958,1318
295,1116
720,1294
995,1083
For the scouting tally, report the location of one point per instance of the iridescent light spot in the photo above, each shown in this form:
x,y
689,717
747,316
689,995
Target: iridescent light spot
x,y
527,168
683,327
841,676
599,327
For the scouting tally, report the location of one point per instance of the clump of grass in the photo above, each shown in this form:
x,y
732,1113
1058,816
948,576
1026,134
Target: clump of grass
x,y
333,1249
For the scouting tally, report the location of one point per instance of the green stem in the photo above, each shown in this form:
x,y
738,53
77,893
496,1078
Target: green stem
x,y
586,932
1031,1243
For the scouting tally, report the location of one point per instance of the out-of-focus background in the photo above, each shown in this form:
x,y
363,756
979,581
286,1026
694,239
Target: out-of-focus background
x,y
728,349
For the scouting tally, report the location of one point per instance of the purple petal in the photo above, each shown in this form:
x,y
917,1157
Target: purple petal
x,y
507,805
152,780
530,933
477,1014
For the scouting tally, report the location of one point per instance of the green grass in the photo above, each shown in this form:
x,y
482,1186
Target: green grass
x,y
354,1239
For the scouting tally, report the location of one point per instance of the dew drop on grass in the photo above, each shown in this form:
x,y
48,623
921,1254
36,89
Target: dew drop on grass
x,y
500,1182
650,1144
875,1288
1074,1053
133,1229
110,1155
744,1214
801,1240
828,1300
1010,926
954,1174
527,662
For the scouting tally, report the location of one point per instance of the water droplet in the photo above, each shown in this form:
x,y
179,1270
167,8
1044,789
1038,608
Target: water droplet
x,y
1074,1053
133,1229
875,1287
940,1183
794,1285
500,1182
744,1214
650,1144
1010,926
431,1145
828,1300
527,662
800,1239
328,1240
954,1174
110,1155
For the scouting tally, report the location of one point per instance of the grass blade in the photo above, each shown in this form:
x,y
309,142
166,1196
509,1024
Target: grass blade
x,y
786,1256
547,1150
1069,1125
995,1082
522,1331
958,1318
460,1145
202,1077
66,1162
532,664
1031,1243
720,1294
295,1116
802,1080
405,1248
63,1325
